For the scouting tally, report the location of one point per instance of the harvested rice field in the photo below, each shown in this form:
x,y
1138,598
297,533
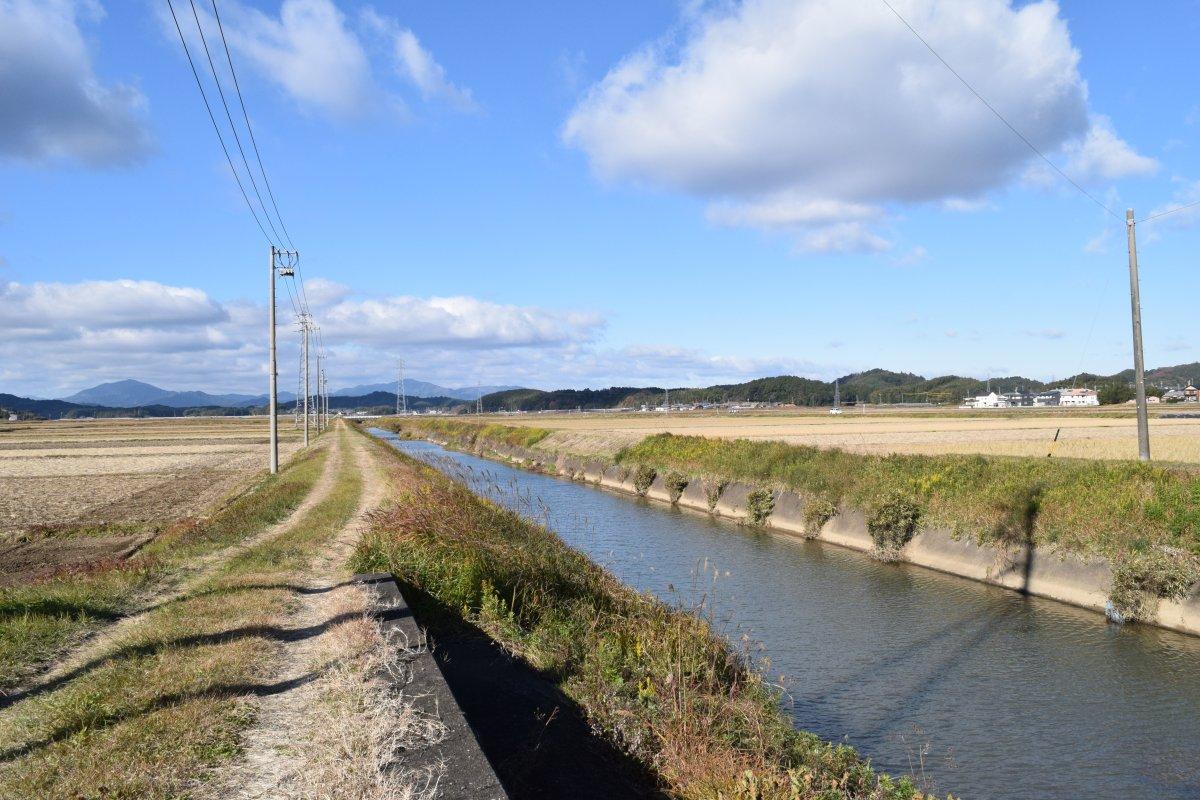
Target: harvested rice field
x,y
1106,433
124,473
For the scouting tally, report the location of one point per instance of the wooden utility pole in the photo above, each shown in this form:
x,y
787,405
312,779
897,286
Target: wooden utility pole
x,y
272,366
1139,370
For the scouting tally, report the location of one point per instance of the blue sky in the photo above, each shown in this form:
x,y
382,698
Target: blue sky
x,y
566,194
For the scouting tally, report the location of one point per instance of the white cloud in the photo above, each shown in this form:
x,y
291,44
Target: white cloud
x,y
309,51
1102,155
313,52
453,321
1047,333
845,237
56,338
416,64
837,105
913,257
53,106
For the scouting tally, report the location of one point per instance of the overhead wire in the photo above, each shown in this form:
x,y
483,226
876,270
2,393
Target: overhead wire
x,y
216,128
999,116
250,129
229,116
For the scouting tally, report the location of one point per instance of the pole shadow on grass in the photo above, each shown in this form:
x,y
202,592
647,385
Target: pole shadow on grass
x,y
537,739
272,632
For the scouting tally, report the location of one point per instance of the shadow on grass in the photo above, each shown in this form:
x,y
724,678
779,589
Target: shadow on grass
x,y
537,739
271,632
219,692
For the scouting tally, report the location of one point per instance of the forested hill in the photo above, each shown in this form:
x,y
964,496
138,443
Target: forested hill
x,y
873,386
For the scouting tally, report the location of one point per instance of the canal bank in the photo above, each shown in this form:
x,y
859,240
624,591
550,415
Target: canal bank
x,y
982,691
1082,580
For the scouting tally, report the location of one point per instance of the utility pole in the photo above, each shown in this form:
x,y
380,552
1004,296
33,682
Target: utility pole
x,y
272,366
667,401
401,396
1139,370
304,331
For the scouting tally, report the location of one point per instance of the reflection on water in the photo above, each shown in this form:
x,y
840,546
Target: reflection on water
x,y
981,691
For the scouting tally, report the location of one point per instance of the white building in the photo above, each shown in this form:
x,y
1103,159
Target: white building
x,y
1079,397
991,400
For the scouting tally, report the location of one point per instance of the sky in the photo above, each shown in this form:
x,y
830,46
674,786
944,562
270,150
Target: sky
x,y
629,193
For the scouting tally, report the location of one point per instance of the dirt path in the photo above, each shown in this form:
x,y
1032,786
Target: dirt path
x,y
99,643
278,757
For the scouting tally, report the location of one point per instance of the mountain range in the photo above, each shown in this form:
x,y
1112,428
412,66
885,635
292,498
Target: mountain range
x,y
873,386
131,393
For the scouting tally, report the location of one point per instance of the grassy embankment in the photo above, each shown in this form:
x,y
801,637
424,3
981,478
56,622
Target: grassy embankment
x,y
166,701
1145,519
41,618
657,681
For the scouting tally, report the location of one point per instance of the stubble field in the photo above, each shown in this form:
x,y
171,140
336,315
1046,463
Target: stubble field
x,y
71,474
1067,433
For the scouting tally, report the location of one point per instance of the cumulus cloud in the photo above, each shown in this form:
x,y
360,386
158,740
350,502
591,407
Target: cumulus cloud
x,y
779,109
416,64
56,338
319,57
1184,208
458,321
53,106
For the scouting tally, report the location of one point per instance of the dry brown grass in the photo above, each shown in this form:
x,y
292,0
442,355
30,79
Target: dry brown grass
x,y
95,472
1107,433
361,719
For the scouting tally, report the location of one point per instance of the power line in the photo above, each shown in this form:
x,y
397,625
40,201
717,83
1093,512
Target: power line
x,y
216,127
254,143
232,127
999,116
1169,212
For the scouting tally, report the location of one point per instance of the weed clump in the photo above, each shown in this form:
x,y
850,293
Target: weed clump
x,y
676,482
759,505
1142,579
818,511
712,492
643,476
893,523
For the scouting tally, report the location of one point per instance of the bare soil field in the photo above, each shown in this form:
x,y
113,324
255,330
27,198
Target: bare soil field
x,y
73,473
1067,433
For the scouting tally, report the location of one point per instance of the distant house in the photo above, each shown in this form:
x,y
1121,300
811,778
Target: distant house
x,y
1191,394
1174,396
991,400
1079,397
1048,398
1019,399
13,418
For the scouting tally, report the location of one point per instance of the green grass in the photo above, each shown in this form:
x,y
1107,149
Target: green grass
x,y
1107,508
466,434
166,703
38,620
655,680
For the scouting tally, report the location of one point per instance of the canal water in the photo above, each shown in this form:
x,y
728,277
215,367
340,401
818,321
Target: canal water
x,y
973,689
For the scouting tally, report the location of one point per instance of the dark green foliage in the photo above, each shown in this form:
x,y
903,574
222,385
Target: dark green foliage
x,y
643,476
1142,578
676,482
893,523
759,505
817,511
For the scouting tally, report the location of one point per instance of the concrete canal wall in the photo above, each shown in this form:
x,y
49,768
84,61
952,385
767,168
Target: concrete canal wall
x,y
1080,581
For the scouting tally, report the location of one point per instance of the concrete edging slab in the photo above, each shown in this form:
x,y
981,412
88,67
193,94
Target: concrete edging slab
x,y
468,775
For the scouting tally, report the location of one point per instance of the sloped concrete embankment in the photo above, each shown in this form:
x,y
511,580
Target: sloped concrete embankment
x,y
1080,581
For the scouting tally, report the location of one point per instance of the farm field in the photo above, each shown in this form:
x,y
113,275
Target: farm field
x,y
75,474
1106,433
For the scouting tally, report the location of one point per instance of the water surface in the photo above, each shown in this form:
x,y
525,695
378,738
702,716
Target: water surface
x,y
977,690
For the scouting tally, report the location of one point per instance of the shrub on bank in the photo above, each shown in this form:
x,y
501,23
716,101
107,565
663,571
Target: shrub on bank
x,y
1107,508
655,680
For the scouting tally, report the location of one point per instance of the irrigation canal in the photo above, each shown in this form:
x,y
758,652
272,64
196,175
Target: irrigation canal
x,y
983,692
